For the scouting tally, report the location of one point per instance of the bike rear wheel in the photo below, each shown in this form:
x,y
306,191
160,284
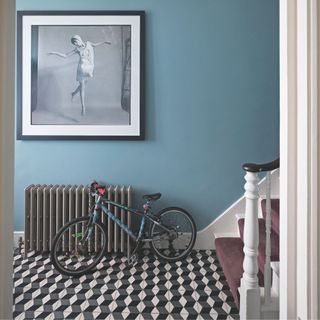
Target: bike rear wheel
x,y
77,250
175,244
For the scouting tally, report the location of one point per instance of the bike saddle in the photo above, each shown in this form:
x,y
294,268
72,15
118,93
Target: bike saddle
x,y
152,197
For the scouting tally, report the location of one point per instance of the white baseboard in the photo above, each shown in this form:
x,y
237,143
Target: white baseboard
x,y
205,241
226,224
200,243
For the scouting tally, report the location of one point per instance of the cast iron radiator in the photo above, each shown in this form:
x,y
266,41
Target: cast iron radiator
x,y
48,207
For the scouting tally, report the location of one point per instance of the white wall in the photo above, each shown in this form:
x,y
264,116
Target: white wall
x,y
299,160
7,27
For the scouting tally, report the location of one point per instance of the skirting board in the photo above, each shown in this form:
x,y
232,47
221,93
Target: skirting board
x,y
201,242
226,224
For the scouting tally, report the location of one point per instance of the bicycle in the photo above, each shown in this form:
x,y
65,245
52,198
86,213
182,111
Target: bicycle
x,y
172,234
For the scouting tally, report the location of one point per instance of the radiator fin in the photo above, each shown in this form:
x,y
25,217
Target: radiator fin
x,y
49,207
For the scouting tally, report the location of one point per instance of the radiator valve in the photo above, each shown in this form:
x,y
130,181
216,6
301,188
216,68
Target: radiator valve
x,y
20,244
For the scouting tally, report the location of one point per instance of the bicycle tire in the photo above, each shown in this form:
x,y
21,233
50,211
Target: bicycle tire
x,y
56,245
162,215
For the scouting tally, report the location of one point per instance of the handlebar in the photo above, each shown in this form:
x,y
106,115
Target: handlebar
x,y
96,188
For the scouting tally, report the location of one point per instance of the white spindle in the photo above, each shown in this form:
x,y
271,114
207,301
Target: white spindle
x,y
249,287
267,266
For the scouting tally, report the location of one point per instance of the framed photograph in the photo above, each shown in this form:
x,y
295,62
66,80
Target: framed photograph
x,y
80,75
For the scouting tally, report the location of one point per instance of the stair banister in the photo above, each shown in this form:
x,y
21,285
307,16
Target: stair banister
x,y
249,286
253,167
267,265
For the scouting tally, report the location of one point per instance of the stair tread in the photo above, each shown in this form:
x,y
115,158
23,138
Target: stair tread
x,y
274,241
230,250
230,255
274,214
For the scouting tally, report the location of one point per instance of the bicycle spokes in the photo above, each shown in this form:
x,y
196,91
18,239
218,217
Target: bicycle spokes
x,y
175,235
78,246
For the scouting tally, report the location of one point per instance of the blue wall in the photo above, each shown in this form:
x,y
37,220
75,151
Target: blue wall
x,y
212,103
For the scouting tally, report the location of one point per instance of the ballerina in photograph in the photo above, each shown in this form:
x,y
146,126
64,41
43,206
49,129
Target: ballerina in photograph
x,y
85,51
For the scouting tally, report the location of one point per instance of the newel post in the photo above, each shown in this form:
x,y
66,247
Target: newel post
x,y
249,286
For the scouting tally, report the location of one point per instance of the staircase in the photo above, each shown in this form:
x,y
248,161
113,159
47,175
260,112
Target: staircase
x,y
257,276
230,250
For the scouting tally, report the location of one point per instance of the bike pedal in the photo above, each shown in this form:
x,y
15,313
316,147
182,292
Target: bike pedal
x,y
133,259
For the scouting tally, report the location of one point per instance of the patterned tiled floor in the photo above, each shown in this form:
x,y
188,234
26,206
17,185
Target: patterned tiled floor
x,y
191,289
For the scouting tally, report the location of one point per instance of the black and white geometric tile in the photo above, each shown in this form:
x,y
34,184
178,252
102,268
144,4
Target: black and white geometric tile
x,y
151,289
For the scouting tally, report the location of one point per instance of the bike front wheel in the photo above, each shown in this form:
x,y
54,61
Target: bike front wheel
x,y
78,247
174,237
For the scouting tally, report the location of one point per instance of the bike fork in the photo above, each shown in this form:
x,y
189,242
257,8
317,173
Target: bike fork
x,y
134,257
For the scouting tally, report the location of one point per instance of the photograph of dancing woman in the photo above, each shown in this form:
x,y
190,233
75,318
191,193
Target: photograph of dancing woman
x,y
80,75
85,51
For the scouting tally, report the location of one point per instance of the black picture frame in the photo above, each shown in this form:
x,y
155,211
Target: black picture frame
x,y
109,91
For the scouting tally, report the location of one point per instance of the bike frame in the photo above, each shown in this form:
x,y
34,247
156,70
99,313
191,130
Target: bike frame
x,y
101,203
